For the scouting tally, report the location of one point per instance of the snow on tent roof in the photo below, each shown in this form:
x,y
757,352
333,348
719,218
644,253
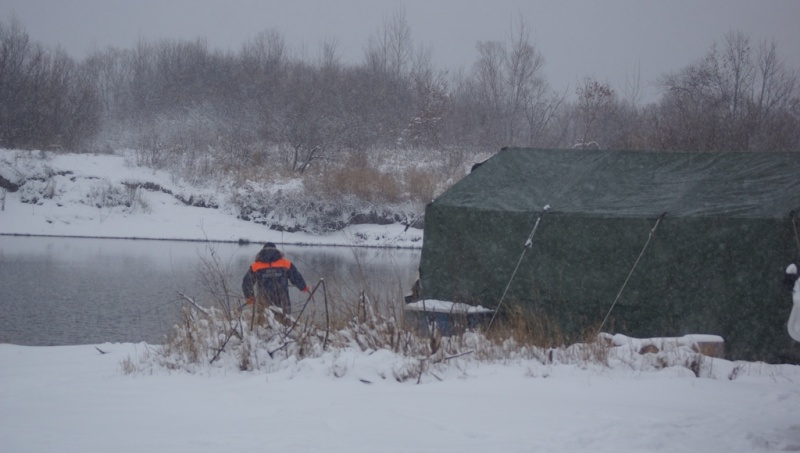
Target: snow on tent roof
x,y
633,183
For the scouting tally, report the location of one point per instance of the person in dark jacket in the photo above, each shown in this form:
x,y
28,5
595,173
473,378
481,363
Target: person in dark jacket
x,y
272,273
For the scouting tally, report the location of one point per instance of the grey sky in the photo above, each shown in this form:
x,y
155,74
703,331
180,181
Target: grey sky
x,y
607,39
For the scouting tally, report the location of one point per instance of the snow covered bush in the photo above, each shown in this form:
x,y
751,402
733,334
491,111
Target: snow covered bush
x,y
40,183
254,338
104,194
291,207
34,190
375,187
10,175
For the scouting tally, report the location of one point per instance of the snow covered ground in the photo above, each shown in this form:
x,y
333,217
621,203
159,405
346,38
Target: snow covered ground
x,y
79,399
75,399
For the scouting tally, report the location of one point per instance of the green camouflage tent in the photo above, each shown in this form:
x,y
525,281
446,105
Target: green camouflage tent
x,y
713,265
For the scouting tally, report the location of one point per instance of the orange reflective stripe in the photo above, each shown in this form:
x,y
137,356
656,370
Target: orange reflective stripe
x,y
282,263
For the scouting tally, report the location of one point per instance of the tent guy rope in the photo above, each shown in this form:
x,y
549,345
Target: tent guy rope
x,y
649,237
528,244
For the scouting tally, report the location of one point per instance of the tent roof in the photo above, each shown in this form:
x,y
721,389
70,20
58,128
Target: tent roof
x,y
633,183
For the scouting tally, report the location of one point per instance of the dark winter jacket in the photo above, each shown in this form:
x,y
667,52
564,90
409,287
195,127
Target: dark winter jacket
x,y
271,272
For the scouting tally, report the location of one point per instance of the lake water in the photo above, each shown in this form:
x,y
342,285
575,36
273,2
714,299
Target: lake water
x,y
57,291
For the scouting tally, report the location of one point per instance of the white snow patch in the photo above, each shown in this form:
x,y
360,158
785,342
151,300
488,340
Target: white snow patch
x,y
441,306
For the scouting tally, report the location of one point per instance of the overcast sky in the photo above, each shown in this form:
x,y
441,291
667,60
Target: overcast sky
x,y
607,39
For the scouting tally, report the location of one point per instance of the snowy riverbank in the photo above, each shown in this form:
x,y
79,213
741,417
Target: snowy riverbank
x,y
88,195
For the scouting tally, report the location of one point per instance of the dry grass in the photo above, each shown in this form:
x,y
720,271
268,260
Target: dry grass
x,y
383,177
530,328
356,178
264,339
330,321
128,366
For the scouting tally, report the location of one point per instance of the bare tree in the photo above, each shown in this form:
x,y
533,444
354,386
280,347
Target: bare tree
x,y
489,85
730,100
516,104
432,104
45,99
311,121
19,60
633,92
391,49
109,72
596,112
386,80
776,101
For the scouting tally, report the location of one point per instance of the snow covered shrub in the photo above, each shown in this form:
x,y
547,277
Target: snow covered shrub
x,y
49,189
104,194
32,191
356,189
201,200
197,168
31,176
596,349
149,149
10,177
189,344
289,207
263,339
273,206
128,366
137,200
318,203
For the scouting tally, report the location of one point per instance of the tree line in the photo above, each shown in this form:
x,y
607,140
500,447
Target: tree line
x,y
176,100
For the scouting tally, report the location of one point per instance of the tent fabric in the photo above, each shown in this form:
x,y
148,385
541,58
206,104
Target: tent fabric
x,y
632,183
713,266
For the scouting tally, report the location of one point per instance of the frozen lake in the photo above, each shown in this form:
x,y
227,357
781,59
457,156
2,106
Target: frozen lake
x,y
57,291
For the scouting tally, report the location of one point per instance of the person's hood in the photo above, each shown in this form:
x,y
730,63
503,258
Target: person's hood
x,y
269,255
